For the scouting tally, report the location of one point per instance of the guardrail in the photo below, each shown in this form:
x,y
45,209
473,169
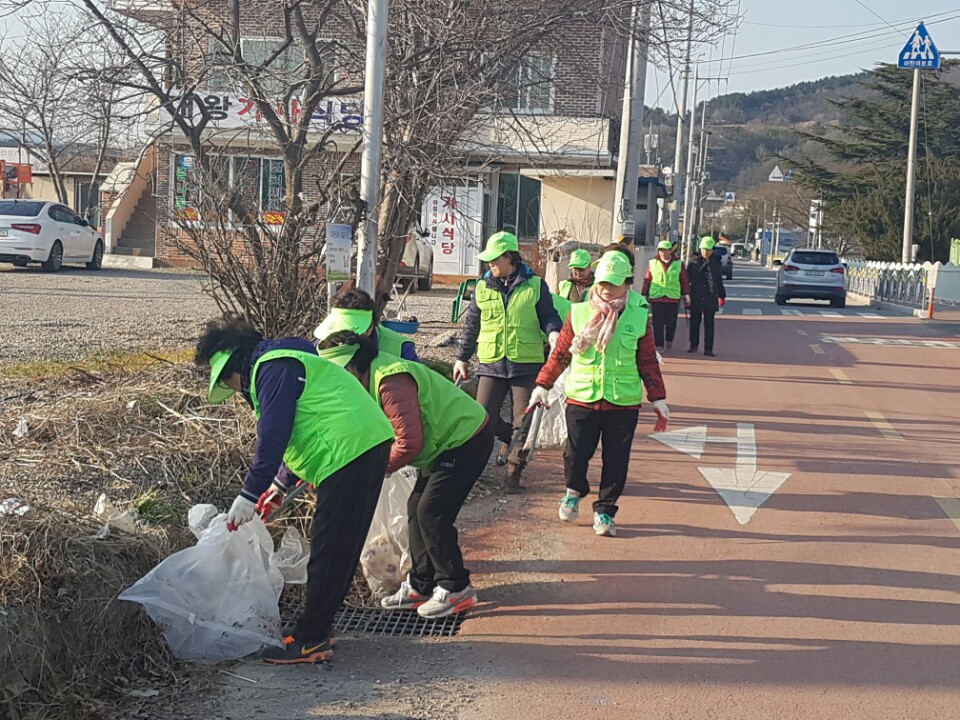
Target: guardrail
x,y
911,285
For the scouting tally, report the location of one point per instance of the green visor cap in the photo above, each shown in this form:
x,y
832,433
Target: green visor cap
x,y
579,259
218,392
499,244
340,355
614,268
357,321
707,243
665,245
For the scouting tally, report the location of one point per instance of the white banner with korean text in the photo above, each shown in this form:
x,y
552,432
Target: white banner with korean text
x,y
453,217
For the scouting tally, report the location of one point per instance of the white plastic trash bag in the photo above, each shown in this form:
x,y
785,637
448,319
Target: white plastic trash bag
x,y
292,557
553,427
217,600
386,553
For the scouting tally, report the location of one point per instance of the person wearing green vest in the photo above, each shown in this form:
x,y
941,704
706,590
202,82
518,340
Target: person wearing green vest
x,y
316,424
444,433
664,285
510,315
354,310
608,347
577,288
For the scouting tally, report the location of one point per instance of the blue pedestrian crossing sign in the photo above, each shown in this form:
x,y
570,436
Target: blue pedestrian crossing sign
x,y
919,53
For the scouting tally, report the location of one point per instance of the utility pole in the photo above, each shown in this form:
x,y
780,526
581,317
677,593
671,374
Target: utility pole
x,y
372,141
907,253
678,168
687,185
631,126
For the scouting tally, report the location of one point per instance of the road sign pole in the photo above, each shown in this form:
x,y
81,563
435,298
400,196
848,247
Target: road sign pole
x,y
907,254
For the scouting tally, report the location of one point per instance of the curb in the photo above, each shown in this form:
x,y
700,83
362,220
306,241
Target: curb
x,y
128,262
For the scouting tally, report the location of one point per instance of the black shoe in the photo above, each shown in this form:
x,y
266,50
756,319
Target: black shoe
x,y
296,651
693,348
709,353
511,481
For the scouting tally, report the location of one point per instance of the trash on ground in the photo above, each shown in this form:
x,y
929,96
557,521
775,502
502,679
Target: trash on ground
x,y
292,557
116,520
14,506
21,430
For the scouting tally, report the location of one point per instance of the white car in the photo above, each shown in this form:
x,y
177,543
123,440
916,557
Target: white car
x,y
416,263
38,231
811,274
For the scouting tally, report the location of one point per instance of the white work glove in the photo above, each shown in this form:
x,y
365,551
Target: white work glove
x,y
461,371
686,301
663,415
539,396
553,337
242,511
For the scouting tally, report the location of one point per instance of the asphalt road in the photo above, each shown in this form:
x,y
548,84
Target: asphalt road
x,y
836,596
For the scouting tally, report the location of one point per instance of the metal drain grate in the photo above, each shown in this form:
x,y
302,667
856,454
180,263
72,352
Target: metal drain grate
x,y
395,622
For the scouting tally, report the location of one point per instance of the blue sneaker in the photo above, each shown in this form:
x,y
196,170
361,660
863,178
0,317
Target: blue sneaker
x,y
603,525
569,510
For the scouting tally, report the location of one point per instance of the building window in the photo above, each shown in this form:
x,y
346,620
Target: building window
x,y
284,72
530,85
260,183
518,209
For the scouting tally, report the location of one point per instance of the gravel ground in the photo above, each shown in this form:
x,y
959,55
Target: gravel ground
x,y
75,314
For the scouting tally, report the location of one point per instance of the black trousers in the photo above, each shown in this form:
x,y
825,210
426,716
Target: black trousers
x,y
585,429
433,508
664,321
707,314
491,392
345,504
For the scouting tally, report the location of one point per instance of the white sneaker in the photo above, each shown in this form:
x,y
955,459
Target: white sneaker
x,y
604,525
406,598
569,510
444,602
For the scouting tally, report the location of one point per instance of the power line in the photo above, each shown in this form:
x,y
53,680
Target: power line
x,y
835,41
874,13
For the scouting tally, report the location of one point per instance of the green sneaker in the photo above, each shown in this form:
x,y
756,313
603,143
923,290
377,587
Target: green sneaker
x,y
604,525
569,510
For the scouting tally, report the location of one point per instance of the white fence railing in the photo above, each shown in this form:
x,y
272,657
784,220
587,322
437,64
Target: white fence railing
x,y
904,284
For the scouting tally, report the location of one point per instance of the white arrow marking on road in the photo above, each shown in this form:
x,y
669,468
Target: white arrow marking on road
x,y
690,440
743,491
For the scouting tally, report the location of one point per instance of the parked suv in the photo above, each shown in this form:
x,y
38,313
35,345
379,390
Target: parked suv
x,y
811,274
726,261
416,263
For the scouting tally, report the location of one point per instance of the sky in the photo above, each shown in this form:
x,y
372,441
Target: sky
x,y
810,39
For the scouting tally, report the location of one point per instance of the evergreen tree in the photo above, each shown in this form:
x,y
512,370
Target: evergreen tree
x,y
863,188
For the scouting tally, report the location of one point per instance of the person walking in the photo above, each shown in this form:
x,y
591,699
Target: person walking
x,y
664,285
576,288
315,423
707,295
354,310
444,433
608,345
510,315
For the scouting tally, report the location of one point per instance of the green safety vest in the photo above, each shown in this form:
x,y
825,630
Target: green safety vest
x,y
564,290
665,282
612,375
450,416
390,341
512,332
336,421
561,305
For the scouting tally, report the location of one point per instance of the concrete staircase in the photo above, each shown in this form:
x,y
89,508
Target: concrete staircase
x,y
139,235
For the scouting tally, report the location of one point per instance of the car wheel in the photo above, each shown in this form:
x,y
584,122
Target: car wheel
x,y
55,261
96,262
425,283
780,300
842,303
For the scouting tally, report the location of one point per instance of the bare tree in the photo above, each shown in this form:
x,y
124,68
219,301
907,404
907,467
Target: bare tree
x,y
58,95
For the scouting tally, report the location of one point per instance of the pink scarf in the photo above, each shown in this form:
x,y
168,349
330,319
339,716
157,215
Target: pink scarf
x,y
601,326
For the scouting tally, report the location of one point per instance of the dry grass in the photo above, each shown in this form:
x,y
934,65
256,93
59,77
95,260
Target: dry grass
x,y
146,438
